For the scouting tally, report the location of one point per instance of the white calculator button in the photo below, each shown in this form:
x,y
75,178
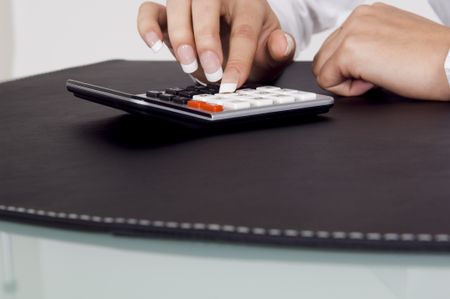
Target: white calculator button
x,y
246,91
234,94
304,96
267,88
202,97
235,105
265,94
243,97
217,100
284,99
260,102
286,91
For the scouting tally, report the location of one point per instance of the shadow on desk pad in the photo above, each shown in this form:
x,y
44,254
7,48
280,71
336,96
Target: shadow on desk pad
x,y
373,173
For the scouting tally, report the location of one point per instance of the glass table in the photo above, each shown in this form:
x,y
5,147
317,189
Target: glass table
x,y
38,262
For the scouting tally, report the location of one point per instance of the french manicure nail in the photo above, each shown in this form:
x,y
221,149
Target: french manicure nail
x,y
230,81
153,41
186,56
211,65
227,87
290,44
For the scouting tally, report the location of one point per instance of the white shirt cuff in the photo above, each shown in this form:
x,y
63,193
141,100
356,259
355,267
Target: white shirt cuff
x,y
447,67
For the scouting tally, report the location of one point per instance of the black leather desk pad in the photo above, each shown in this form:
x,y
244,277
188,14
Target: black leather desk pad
x,y
373,173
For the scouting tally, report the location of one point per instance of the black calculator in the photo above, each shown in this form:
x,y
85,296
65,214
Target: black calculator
x,y
204,105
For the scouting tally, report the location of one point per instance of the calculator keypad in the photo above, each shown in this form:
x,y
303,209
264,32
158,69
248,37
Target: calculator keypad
x,y
207,98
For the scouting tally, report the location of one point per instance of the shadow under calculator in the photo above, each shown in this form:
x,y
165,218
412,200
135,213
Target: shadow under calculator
x,y
137,132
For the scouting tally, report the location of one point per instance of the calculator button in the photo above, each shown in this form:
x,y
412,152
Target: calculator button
x,y
194,104
216,100
246,91
153,93
180,100
211,91
228,95
268,88
236,105
304,96
187,93
166,97
286,90
213,87
202,97
211,107
260,102
264,94
283,99
191,88
246,97
174,90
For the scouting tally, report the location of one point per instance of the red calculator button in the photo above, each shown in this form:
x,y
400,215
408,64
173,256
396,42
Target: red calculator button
x,y
211,107
194,104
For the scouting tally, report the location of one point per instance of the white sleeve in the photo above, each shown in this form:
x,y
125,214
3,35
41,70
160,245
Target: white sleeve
x,y
302,18
442,9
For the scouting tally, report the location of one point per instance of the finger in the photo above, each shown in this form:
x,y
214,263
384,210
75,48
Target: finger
x,y
280,48
180,33
351,88
336,77
274,57
353,23
328,48
245,30
151,19
206,24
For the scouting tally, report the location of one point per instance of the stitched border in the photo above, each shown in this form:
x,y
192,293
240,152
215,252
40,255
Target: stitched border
x,y
273,232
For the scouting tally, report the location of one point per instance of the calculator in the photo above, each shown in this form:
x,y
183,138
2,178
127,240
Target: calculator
x,y
204,105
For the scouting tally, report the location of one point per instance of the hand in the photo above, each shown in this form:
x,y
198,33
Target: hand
x,y
243,36
383,46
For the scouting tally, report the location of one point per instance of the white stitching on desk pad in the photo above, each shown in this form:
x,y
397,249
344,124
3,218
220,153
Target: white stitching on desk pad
x,y
340,235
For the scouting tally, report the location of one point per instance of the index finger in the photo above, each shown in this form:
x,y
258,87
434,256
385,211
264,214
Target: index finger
x,y
247,21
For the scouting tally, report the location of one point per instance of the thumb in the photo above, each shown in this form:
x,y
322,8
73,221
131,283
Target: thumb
x,y
281,48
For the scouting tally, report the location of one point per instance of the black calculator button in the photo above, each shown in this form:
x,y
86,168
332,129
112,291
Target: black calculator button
x,y
180,100
174,90
199,87
153,93
208,91
188,94
213,87
192,88
166,97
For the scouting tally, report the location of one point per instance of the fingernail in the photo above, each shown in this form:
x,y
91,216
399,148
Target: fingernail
x,y
290,44
211,65
230,81
153,41
186,57
198,81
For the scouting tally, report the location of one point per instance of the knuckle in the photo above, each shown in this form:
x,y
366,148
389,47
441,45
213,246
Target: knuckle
x,y
350,44
145,6
238,65
361,10
179,36
379,4
245,31
355,23
206,34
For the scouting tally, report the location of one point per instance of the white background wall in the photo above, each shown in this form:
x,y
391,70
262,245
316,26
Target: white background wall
x,y
51,34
